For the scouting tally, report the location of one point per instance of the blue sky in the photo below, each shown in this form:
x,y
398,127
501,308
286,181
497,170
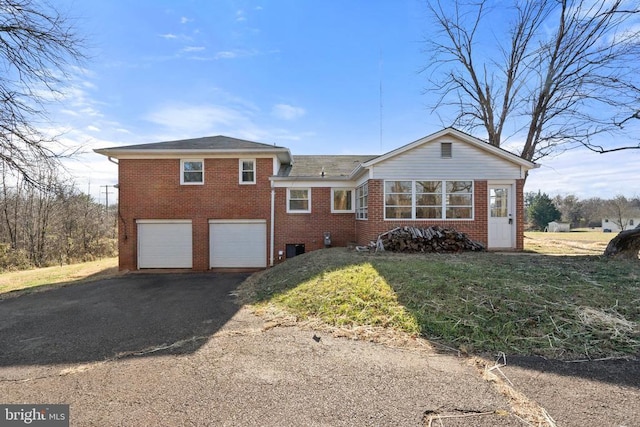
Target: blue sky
x,y
303,74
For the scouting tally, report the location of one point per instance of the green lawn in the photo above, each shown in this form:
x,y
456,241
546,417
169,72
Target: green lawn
x,y
555,306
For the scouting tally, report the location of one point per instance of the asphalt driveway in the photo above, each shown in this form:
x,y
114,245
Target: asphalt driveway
x,y
114,317
176,350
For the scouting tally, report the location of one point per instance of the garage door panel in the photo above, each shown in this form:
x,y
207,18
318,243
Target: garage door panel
x,y
238,244
165,245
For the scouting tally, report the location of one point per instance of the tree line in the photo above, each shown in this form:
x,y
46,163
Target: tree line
x,y
587,213
52,223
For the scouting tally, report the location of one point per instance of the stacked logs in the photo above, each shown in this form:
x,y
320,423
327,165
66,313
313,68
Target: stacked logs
x,y
430,239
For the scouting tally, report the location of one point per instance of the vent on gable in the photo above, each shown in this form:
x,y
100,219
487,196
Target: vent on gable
x,y
445,150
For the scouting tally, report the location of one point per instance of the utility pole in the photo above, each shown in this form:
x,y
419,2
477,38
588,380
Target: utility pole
x,y
106,193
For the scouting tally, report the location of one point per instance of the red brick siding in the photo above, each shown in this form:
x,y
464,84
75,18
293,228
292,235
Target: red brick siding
x,y
150,189
367,231
309,228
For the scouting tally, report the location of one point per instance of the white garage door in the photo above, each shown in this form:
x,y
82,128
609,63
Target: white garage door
x,y
238,243
165,244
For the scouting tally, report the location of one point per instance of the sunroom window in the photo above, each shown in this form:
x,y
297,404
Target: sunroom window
x,y
409,199
362,201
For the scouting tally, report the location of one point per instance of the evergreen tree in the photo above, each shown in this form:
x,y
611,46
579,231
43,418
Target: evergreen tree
x,y
542,211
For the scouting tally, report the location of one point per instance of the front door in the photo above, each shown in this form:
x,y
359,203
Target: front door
x,y
501,221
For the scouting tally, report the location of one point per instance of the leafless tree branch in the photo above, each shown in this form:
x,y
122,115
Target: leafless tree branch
x,y
37,46
565,74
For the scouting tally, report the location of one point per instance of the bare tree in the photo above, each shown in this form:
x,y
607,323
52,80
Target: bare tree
x,y
37,46
563,72
621,212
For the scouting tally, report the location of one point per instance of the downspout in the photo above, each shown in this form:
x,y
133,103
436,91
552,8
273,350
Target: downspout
x,y
273,214
111,160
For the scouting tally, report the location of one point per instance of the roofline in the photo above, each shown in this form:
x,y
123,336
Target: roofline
x,y
461,135
118,153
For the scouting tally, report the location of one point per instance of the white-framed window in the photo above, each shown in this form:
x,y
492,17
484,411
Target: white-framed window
x,y
298,200
362,201
411,199
192,171
247,171
342,200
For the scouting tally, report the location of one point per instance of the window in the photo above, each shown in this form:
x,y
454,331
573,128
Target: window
x,y
247,171
397,199
298,200
341,200
446,150
191,172
362,201
428,199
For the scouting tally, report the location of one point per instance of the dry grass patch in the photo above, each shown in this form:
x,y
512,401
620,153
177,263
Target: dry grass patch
x,y
30,279
570,243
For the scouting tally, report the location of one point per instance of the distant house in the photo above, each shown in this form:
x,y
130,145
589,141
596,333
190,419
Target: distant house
x,y
219,202
558,227
611,226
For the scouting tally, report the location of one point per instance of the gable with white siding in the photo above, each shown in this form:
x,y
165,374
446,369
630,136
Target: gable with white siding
x,y
470,160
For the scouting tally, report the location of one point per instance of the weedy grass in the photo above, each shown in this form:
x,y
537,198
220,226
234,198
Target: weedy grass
x,y
563,307
29,279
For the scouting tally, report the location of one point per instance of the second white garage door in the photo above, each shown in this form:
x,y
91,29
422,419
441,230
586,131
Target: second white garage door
x,y
238,243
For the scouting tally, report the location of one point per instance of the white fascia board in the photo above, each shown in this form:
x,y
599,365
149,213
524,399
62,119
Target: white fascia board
x,y
279,182
284,155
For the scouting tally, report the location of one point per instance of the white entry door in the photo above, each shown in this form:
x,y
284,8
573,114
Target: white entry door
x,y
501,218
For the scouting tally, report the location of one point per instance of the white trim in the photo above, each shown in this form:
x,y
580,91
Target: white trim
x,y
353,199
306,211
283,154
272,241
300,182
182,171
241,170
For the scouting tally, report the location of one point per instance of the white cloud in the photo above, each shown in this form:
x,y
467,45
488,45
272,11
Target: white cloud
x,y
240,16
193,49
168,36
287,112
93,128
199,120
184,20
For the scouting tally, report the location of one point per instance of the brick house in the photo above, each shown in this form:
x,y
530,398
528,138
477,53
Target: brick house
x,y
220,202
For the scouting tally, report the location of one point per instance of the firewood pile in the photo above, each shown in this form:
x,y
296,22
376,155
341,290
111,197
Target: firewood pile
x,y
430,239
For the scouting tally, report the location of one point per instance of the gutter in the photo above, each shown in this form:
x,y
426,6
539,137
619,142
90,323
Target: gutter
x,y
272,226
